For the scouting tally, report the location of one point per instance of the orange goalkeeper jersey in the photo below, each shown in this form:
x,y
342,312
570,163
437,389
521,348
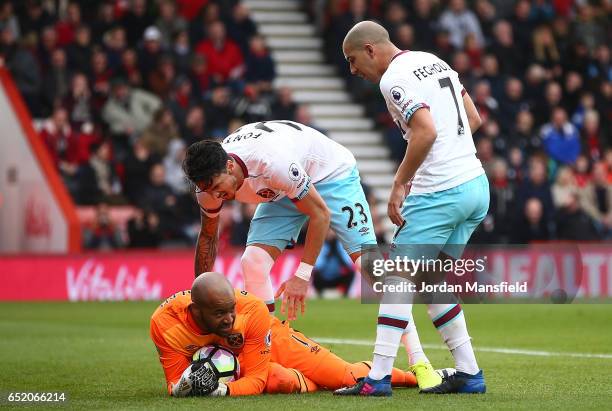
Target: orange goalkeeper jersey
x,y
177,337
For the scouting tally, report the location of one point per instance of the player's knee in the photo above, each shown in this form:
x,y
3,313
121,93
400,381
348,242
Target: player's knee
x,y
255,263
280,380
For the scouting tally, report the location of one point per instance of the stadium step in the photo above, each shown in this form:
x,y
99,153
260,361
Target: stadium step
x,y
287,30
298,56
284,69
273,4
336,110
355,137
295,43
306,96
304,83
367,167
370,152
337,124
278,16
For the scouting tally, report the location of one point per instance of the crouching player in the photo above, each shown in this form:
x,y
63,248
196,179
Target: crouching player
x,y
274,358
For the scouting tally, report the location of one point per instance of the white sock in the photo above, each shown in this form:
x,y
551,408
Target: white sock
x,y
380,365
256,265
450,323
392,321
412,343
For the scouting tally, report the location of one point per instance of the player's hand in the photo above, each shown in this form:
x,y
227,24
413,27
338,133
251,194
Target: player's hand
x,y
294,296
203,379
396,200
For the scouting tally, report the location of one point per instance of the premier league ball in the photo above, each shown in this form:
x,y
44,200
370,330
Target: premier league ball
x,y
223,361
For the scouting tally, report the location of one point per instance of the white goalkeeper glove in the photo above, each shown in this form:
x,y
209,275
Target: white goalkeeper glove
x,y
199,380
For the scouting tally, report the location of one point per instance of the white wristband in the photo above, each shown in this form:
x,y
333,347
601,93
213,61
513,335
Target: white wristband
x,y
304,271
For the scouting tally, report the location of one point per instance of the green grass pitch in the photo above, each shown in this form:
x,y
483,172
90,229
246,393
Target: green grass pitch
x,y
101,356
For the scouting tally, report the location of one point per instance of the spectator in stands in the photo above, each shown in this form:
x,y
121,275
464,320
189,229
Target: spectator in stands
x,y
260,71
46,44
105,20
591,135
136,20
195,125
56,81
115,43
461,64
160,132
560,138
79,51
198,27
161,80
100,78
524,135
572,90
218,112
333,269
67,26
394,15
98,181
181,100
537,186
240,26
485,103
522,24
490,73
573,223
181,52
587,29
509,56
150,52
143,230
78,102
511,104
405,37
173,161
137,170
553,94
487,15
582,171
339,26
423,20
596,200
169,23
460,21
33,17
102,235
564,187
284,107
199,75
129,68
8,20
532,226
503,202
22,65
159,197
224,58
251,106
545,51
485,153
129,110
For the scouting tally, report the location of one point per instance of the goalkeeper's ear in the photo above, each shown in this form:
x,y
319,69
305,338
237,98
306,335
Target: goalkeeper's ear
x,y
183,387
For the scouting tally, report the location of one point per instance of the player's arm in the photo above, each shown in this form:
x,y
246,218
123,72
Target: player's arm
x,y
173,362
255,357
208,238
422,137
472,113
294,290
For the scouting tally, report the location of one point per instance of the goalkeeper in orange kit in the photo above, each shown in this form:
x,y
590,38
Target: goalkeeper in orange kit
x,y
274,358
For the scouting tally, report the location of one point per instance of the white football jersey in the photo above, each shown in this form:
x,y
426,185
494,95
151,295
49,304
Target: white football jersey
x,y
416,80
281,158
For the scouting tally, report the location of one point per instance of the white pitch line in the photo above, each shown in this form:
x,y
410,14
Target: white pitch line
x,y
513,351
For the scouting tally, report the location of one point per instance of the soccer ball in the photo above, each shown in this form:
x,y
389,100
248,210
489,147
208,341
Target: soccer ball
x,y
224,362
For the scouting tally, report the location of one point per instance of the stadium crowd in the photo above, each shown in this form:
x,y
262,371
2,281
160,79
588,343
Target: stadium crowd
x,y
123,87
540,74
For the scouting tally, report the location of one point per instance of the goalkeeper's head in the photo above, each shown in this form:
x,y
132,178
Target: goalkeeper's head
x,y
211,169
213,304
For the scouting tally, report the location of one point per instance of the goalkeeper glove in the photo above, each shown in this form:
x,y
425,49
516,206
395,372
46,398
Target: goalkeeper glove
x,y
199,379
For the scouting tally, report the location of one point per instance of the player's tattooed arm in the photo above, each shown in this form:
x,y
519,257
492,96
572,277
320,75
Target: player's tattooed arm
x,y
206,247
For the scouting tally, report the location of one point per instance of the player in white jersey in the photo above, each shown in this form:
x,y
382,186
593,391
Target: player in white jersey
x,y
448,198
294,173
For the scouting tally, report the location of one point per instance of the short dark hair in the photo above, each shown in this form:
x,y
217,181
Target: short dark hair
x,y
204,161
